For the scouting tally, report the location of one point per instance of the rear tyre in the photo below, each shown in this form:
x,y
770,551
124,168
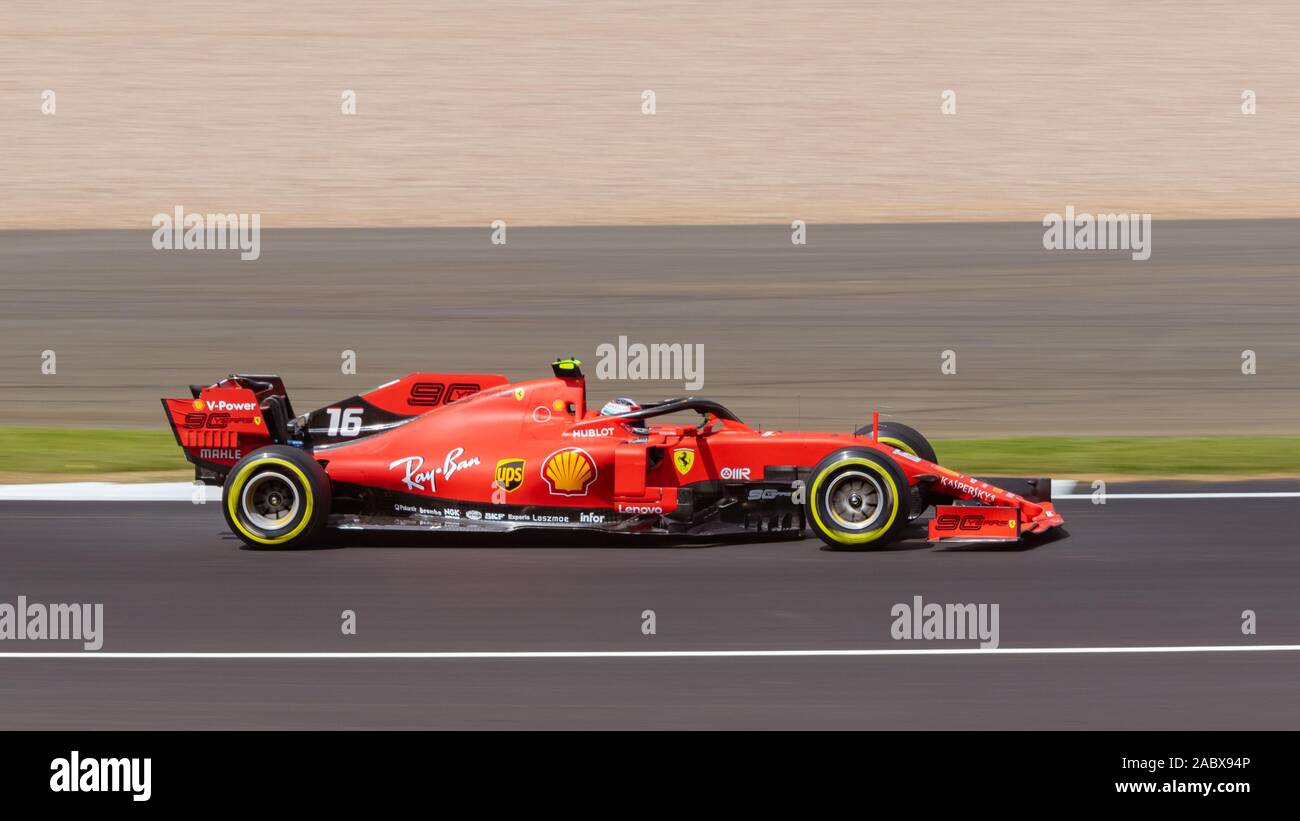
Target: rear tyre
x,y
858,499
276,497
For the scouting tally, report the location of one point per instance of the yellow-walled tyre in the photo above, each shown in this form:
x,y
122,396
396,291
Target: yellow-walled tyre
x,y
909,440
276,497
903,437
857,499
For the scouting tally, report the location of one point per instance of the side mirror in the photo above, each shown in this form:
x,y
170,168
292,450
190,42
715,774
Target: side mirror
x,y
711,424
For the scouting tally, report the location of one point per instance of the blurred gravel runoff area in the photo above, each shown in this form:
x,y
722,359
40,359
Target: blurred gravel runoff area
x,y
815,336
827,111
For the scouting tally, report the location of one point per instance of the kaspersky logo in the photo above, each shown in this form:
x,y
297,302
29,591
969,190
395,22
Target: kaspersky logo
x,y
968,489
569,472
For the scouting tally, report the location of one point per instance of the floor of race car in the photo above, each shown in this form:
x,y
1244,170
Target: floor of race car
x,y
1141,572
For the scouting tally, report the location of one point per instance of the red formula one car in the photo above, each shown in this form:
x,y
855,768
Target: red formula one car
x,y
462,452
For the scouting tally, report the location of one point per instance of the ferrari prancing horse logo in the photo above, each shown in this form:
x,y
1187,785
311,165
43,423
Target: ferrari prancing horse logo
x,y
684,459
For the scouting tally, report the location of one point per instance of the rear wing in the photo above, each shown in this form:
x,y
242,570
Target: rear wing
x,y
216,425
220,423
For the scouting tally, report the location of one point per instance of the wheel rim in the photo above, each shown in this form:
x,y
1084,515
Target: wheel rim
x,y
855,500
270,501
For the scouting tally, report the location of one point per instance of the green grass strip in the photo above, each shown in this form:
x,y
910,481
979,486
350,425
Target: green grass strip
x,y
87,452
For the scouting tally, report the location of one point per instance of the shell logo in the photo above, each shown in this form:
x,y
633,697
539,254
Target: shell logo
x,y
198,404
569,472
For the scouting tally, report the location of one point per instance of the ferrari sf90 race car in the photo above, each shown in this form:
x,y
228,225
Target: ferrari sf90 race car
x,y
459,452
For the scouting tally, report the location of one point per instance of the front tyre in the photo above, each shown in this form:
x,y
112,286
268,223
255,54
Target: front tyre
x,y
857,500
909,440
276,497
904,437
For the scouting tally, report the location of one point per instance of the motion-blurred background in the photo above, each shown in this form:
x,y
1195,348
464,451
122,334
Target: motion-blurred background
x,y
764,113
532,111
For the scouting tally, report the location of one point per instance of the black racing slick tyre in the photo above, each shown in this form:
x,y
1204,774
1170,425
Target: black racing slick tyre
x,y
858,499
276,497
903,437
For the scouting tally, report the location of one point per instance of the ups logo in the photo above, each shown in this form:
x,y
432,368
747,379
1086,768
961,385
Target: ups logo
x,y
510,474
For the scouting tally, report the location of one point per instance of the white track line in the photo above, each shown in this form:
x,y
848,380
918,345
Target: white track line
x,y
652,654
107,492
1109,496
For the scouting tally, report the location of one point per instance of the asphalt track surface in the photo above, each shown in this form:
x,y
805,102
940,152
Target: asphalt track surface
x,y
809,337
1132,573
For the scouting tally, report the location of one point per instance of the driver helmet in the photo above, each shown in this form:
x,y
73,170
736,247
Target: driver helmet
x,y
622,405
